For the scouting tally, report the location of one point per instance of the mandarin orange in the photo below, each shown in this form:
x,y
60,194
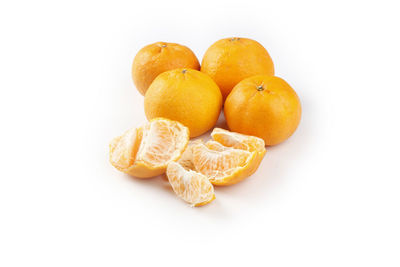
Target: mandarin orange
x,y
156,58
230,60
263,106
185,95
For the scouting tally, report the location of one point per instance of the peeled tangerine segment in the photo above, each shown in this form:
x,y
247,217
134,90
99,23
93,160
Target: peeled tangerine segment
x,y
123,149
191,186
237,140
241,141
186,160
223,165
146,151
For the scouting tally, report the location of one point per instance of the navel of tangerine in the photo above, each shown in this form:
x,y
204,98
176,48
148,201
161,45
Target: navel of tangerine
x,y
184,71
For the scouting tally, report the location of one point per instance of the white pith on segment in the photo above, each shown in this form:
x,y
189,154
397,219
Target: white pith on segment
x,y
191,186
186,160
124,146
216,146
155,144
237,140
217,161
161,142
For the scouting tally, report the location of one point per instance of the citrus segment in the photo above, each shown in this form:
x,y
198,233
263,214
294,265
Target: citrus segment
x,y
146,151
186,160
124,148
237,140
191,186
223,165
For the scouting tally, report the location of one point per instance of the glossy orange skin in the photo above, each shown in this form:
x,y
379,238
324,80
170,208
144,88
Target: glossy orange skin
x,y
263,106
230,60
187,96
156,58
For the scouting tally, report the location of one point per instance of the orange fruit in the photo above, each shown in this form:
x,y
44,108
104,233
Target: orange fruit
x,y
146,151
223,165
263,106
230,60
191,186
185,95
156,58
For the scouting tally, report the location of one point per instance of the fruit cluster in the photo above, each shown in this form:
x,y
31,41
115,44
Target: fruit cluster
x,y
183,100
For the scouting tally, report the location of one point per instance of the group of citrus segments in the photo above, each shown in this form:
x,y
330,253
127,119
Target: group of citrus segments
x,y
192,167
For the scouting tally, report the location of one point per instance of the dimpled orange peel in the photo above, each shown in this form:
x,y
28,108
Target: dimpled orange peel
x,y
156,58
230,60
263,106
185,95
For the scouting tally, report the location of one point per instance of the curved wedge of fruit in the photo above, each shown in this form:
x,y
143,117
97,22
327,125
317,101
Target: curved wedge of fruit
x,y
240,141
223,165
191,186
146,151
237,140
186,160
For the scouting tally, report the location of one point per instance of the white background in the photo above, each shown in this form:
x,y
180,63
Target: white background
x,y
329,196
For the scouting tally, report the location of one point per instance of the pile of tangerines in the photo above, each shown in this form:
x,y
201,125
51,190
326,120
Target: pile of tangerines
x,y
183,100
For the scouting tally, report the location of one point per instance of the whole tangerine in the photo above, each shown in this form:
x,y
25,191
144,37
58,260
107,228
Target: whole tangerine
x,y
187,96
156,58
230,60
263,106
